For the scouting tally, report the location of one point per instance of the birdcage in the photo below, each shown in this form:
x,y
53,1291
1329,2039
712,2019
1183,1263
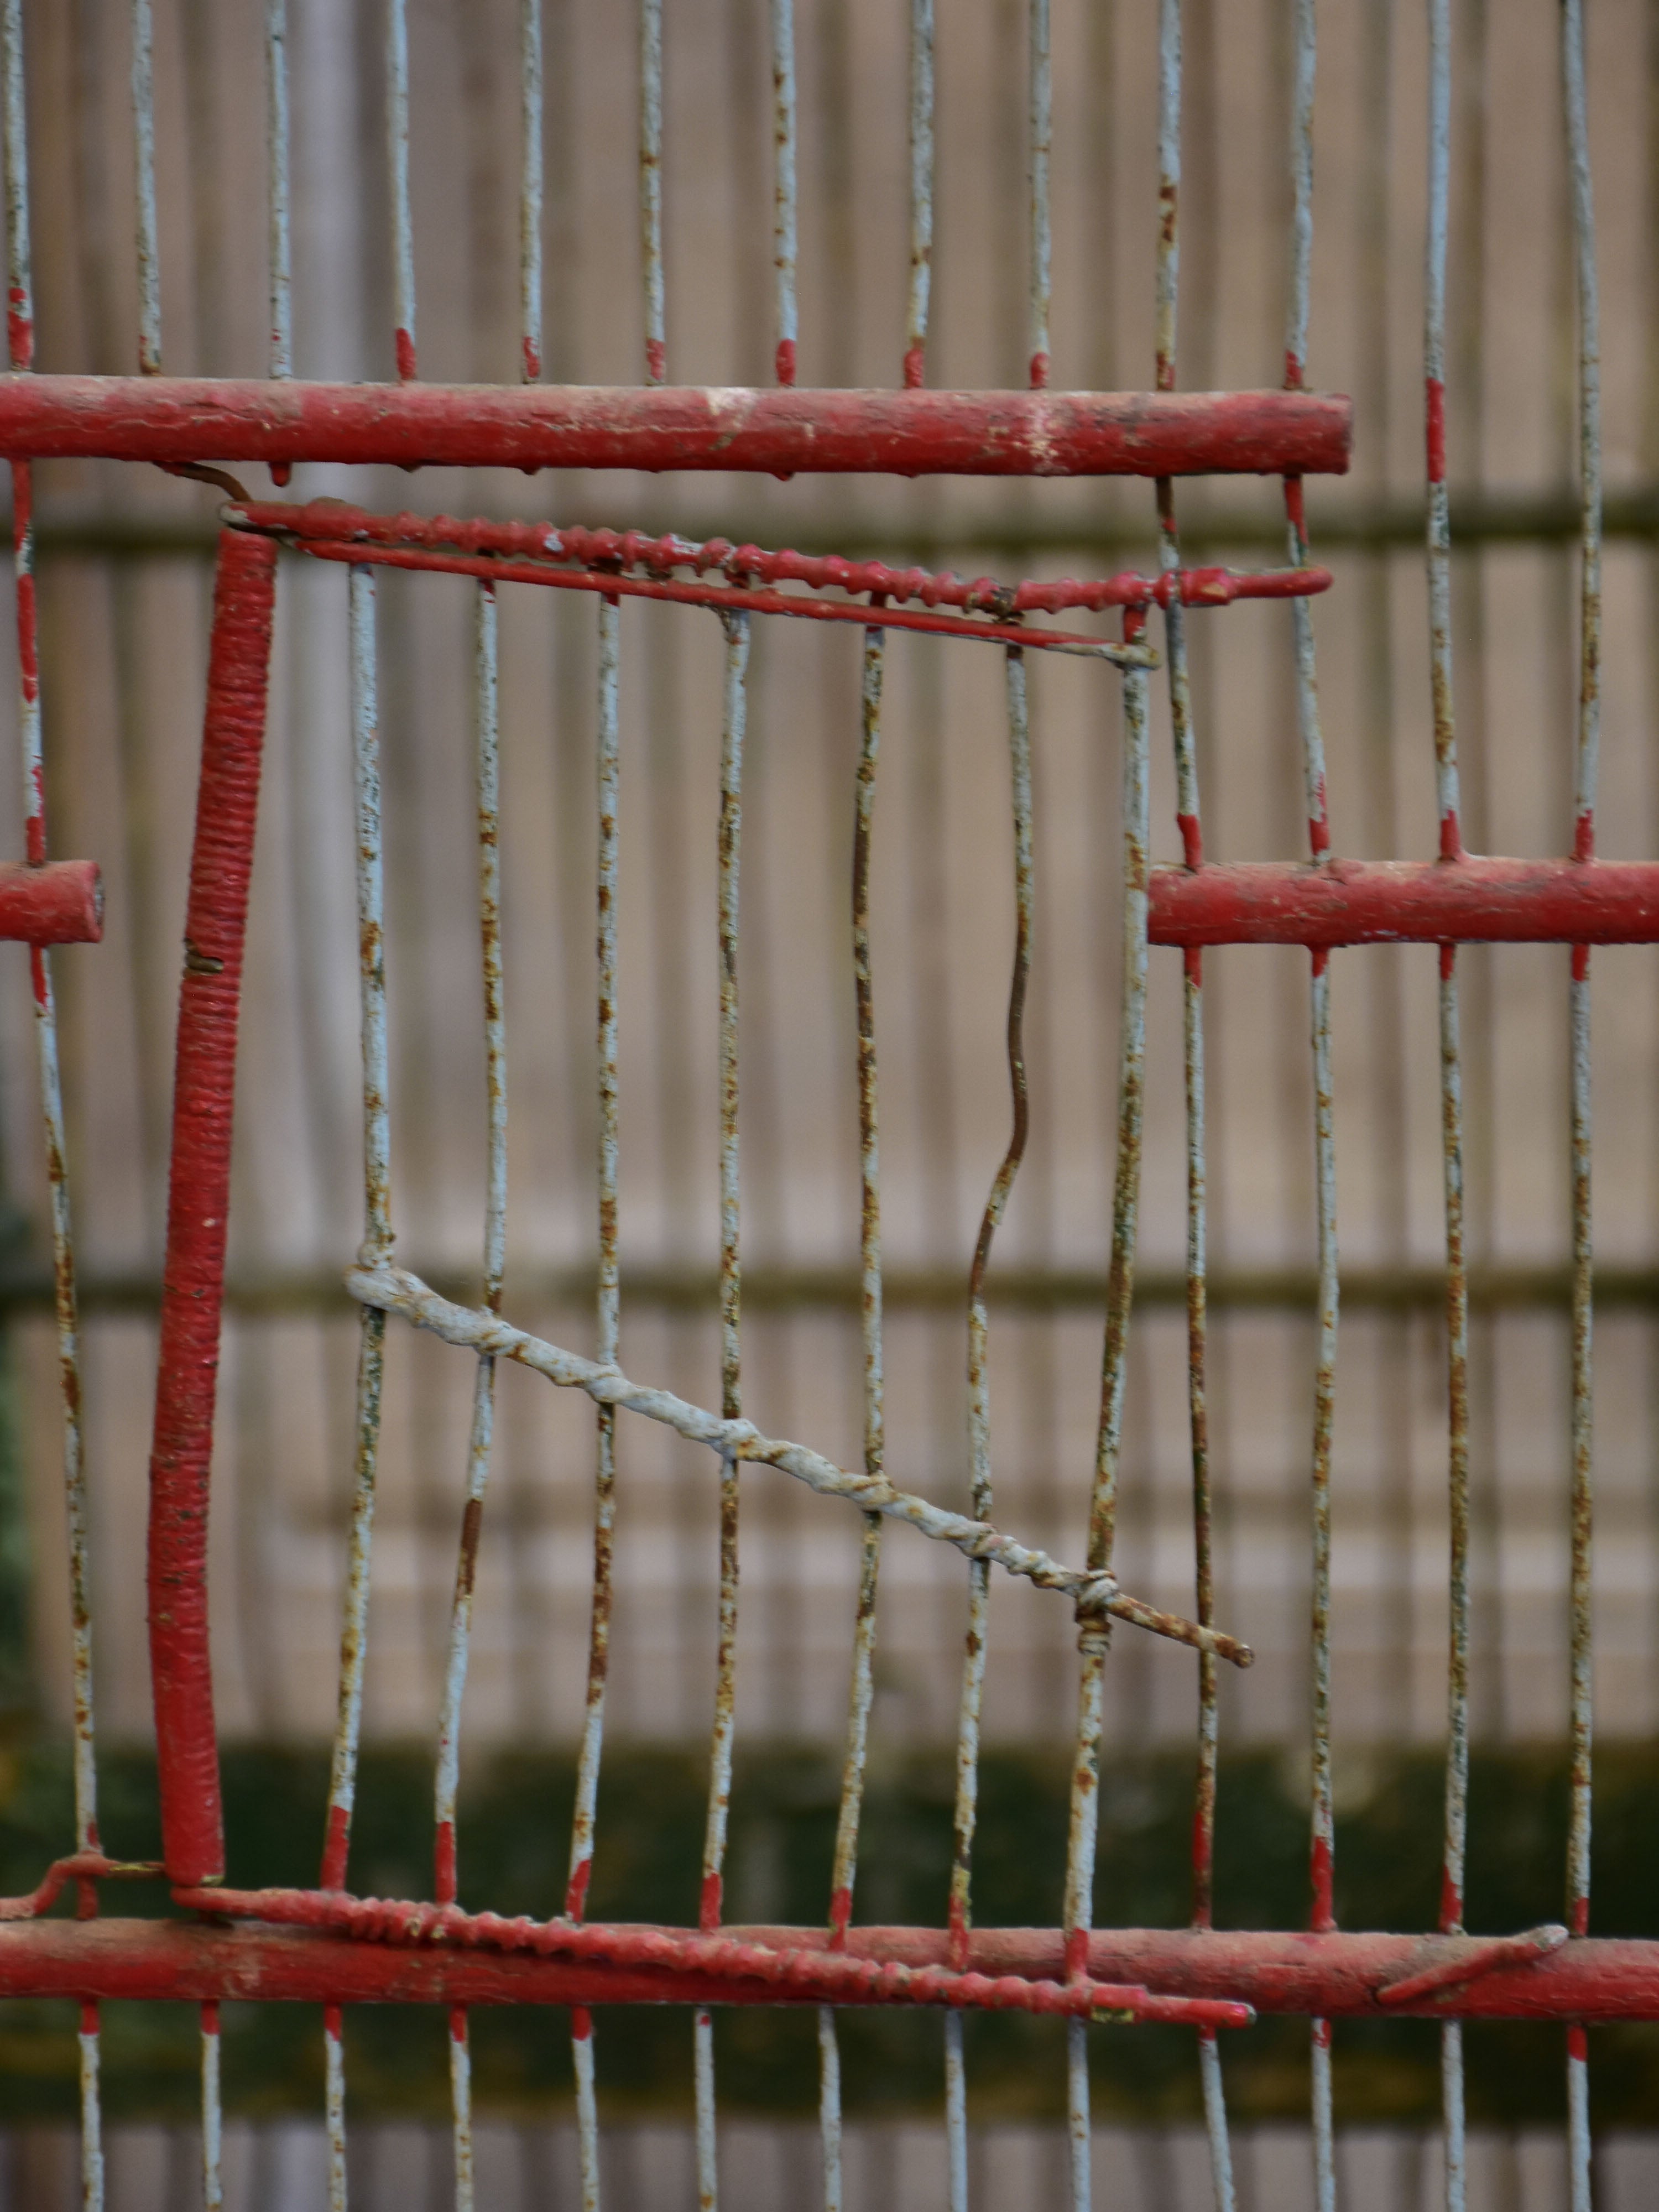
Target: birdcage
x,y
1126,637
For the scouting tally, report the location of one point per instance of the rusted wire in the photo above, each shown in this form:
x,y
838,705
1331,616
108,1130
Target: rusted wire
x,y
20,350
731,1293
1189,820
1582,198
979,1423
375,1251
1039,130
1091,1590
860,1688
1313,769
1078,1910
143,158
278,236
656,346
608,1315
783,186
397,149
486,719
921,193
1451,1079
530,191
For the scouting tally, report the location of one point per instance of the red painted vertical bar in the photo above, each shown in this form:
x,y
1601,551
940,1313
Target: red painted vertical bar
x,y
198,1193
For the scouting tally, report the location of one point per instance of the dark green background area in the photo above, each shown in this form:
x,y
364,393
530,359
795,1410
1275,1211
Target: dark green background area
x,y
515,1824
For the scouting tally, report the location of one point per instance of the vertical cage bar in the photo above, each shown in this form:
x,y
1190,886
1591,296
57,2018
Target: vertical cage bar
x,y
530,191
656,344
921,193
736,627
864,1631
607,1316
1303,61
1451,1076
979,1421
278,237
1189,820
1092,1637
20,348
1587,749
213,2184
143,154
1040,119
486,721
396,151
376,1248
783,188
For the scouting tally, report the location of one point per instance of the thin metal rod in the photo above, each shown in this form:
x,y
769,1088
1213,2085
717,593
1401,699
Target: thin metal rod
x,y
1091,1591
279,243
783,187
1078,1910
921,193
1187,819
397,148
608,1315
376,1247
486,717
20,348
143,154
213,2114
1313,769
979,1419
860,1688
529,189
1039,93
731,1291
656,342
1588,742
1451,1079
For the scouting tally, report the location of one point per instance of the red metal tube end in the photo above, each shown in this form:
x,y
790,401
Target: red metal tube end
x,y
404,344
915,369
1039,371
56,902
784,362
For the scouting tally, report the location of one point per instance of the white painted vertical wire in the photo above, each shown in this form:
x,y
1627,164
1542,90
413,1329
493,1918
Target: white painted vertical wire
x,y
736,629
213,2184
143,154
783,189
1305,57
397,150
1085,1814
1167,323
19,350
608,1317
530,191
279,242
921,193
1589,746
376,1246
656,344
1453,2105
860,1688
486,726
979,1423
1040,121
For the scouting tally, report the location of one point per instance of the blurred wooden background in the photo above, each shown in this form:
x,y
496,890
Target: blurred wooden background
x,y
124,562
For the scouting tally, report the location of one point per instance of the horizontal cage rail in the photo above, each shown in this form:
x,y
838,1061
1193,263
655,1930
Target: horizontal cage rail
x,y
786,432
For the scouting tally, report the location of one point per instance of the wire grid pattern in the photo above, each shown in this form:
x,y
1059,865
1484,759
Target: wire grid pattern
x,y
1135,831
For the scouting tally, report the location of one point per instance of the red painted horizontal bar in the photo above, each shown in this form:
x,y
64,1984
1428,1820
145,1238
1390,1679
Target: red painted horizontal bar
x,y
1407,902
1330,1977
778,431
57,903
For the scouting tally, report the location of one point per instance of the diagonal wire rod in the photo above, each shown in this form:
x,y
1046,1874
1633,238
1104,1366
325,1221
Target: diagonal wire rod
x,y
1093,1590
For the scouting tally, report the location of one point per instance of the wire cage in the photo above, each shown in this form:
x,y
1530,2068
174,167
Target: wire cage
x,y
1125,643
